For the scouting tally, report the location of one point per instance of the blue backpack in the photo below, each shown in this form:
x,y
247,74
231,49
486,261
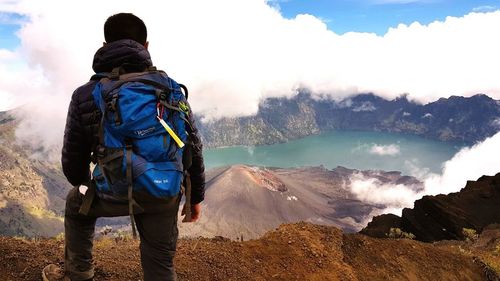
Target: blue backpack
x,y
143,130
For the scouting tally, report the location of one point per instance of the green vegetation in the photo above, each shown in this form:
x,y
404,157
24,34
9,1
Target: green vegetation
x,y
396,233
103,242
42,213
470,234
59,237
121,235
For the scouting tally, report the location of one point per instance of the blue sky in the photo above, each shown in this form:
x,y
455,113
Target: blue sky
x,y
9,24
341,15
378,15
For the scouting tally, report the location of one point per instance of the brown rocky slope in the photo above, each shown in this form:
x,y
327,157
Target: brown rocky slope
x,y
248,201
444,217
292,252
32,190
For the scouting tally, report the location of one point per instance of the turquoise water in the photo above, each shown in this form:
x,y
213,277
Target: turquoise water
x,y
409,154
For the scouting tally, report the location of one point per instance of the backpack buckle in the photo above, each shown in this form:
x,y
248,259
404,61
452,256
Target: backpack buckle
x,y
129,144
100,151
161,95
111,105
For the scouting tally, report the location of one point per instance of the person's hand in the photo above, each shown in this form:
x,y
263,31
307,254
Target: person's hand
x,y
195,213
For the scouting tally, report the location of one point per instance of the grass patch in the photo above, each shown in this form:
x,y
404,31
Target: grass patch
x,y
398,233
42,213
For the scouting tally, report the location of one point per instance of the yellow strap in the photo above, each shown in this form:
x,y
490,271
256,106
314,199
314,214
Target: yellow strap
x,y
171,132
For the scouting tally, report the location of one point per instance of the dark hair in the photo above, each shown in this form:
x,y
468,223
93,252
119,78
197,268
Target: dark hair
x,y
125,26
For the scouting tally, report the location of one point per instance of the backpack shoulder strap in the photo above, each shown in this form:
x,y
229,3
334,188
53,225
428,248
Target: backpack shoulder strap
x,y
99,76
185,89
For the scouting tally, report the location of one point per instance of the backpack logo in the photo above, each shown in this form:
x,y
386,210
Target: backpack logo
x,y
145,131
163,181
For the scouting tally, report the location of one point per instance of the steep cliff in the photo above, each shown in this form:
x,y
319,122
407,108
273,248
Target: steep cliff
x,y
445,217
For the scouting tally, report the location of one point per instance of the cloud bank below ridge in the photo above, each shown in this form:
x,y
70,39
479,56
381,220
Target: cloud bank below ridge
x,y
470,163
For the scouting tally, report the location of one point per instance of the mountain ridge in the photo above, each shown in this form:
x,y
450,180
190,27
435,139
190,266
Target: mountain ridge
x,y
300,251
461,119
444,217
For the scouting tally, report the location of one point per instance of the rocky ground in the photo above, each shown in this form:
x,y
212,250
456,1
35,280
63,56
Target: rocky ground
x,y
292,252
444,217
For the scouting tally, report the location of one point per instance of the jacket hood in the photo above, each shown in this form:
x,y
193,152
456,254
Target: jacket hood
x,y
129,52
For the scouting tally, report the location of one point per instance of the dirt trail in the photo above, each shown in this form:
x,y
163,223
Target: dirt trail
x,y
293,252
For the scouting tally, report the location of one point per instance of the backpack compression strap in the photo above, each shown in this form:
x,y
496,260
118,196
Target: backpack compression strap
x,y
131,200
187,192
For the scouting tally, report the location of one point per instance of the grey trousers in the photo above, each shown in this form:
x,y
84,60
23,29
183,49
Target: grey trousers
x,y
157,228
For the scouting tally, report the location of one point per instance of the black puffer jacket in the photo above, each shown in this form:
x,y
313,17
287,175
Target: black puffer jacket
x,y
82,123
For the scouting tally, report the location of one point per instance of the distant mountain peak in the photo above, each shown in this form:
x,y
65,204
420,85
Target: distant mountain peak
x,y
263,177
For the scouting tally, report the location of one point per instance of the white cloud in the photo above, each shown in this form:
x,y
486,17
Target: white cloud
x,y
7,55
468,164
251,150
384,150
365,106
232,54
484,9
372,190
19,81
344,103
416,169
